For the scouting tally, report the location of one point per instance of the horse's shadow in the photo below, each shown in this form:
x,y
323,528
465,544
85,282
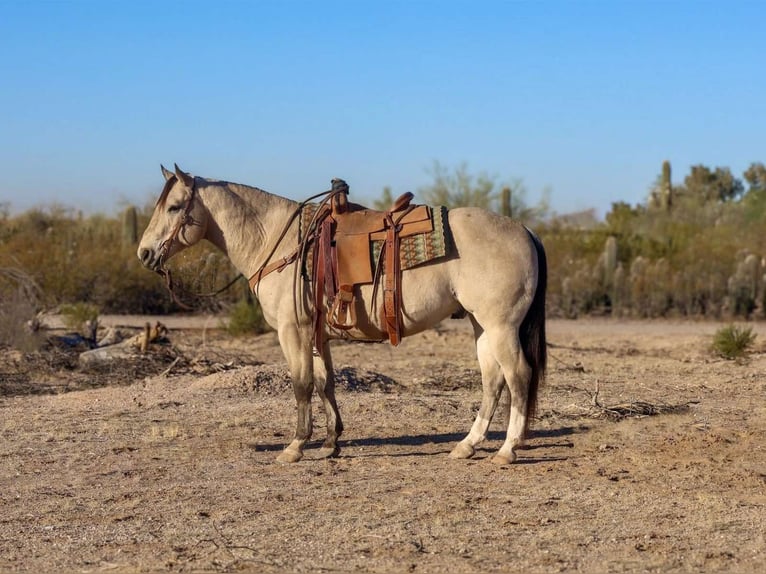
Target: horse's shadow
x,y
538,439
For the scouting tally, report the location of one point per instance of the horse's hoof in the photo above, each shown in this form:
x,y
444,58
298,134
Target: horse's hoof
x,y
329,451
462,450
501,459
289,455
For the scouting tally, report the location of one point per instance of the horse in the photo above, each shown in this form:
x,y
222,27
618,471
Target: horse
x,y
495,273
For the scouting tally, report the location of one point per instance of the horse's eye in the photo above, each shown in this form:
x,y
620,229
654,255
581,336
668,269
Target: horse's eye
x,y
174,208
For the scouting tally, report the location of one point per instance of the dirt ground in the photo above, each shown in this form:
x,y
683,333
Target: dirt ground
x,y
648,455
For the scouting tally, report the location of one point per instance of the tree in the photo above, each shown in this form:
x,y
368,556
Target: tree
x,y
386,200
621,218
708,186
459,188
754,201
661,195
755,176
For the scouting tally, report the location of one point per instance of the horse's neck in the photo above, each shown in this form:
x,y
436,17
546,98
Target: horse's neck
x,y
245,223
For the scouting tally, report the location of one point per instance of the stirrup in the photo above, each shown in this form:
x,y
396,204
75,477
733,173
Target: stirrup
x,y
342,314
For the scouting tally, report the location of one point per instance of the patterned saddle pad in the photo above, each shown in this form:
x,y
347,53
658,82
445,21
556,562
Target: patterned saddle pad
x,y
416,248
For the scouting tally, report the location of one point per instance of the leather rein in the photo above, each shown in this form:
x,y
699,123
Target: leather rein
x,y
301,249
268,265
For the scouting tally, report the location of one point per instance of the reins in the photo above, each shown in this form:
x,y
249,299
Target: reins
x,y
301,249
298,253
169,284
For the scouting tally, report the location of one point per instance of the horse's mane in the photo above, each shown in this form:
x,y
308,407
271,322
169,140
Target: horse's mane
x,y
252,204
245,194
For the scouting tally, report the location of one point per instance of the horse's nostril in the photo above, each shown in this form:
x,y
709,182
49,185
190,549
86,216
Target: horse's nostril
x,y
145,255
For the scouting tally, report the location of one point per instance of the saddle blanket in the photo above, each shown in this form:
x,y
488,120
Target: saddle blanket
x,y
414,250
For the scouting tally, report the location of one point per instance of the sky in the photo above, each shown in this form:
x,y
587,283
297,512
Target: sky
x,y
582,99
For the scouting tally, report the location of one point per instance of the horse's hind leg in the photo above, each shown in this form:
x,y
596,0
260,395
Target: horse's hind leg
x,y
298,354
492,384
324,381
517,373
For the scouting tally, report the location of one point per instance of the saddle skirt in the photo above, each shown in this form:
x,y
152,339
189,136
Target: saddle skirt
x,y
357,246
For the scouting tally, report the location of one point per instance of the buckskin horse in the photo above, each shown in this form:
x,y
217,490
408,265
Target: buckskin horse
x,y
494,271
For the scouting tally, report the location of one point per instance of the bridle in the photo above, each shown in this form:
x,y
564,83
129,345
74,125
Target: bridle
x,y
185,219
267,267
301,250
162,253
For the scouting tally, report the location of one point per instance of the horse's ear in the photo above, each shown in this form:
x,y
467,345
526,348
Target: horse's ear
x,y
166,173
187,180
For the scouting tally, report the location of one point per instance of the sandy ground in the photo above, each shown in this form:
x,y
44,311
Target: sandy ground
x,y
648,455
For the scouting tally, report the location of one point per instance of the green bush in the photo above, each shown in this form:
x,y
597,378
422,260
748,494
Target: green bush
x,y
732,342
246,318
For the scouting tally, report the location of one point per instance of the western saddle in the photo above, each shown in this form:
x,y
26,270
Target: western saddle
x,y
336,253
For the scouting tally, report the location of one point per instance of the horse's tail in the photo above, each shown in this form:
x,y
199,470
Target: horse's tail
x,y
532,331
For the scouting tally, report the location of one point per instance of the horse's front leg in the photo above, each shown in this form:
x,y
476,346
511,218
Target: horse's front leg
x,y
324,381
296,346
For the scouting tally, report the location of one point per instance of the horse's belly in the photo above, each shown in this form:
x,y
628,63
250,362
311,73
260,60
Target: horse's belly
x,y
426,299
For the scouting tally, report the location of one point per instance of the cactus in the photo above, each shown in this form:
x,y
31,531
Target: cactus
x,y
505,204
129,227
638,285
618,290
610,260
659,294
666,188
603,272
744,286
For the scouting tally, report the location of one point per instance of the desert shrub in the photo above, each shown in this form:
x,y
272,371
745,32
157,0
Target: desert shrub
x,y
691,256
76,258
246,318
732,342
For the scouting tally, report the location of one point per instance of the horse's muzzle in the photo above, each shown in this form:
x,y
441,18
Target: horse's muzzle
x,y
149,259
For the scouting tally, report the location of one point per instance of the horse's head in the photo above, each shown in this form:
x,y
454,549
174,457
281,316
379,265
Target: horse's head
x,y
179,221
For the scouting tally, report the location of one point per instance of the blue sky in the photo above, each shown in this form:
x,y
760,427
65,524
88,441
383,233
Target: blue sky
x,y
584,98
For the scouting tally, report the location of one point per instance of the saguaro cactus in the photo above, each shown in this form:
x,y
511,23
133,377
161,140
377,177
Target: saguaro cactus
x,y
610,260
666,187
129,226
505,202
639,286
744,285
607,265
619,290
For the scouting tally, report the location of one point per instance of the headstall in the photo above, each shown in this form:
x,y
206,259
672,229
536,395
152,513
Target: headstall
x,y
164,249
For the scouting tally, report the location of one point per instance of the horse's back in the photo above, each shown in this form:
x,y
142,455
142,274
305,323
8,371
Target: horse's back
x,y
490,269
486,239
